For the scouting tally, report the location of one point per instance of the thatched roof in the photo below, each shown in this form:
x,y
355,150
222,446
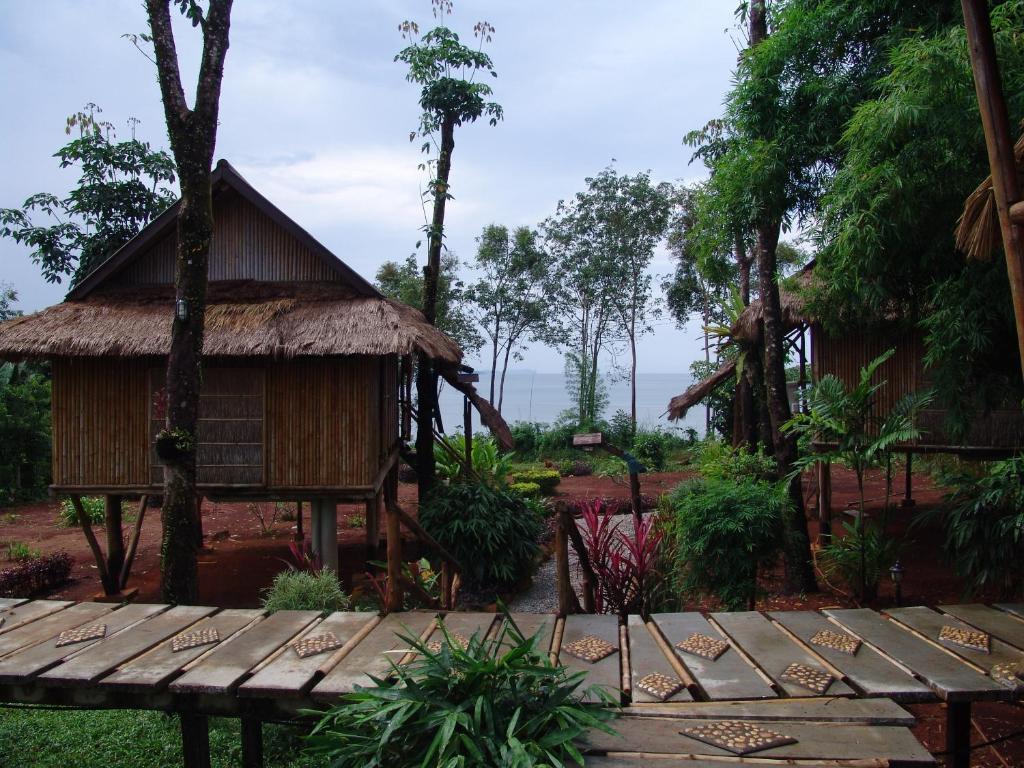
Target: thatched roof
x,y
977,232
275,320
680,404
747,328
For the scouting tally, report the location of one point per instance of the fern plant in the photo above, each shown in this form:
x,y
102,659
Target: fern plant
x,y
489,464
497,703
842,426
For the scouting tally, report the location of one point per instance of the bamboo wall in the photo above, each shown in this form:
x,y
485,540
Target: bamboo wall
x,y
904,373
299,425
246,245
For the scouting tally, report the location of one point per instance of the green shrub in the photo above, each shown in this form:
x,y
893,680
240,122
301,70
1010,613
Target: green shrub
x,y
526,490
651,448
24,431
498,702
984,523
723,462
19,550
489,464
864,548
720,532
546,479
527,436
492,532
94,509
305,591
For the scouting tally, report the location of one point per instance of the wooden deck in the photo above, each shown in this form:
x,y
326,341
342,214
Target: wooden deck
x,y
253,671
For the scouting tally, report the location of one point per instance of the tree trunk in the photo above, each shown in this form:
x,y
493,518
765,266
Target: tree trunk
x,y
504,370
632,378
799,569
426,376
193,134
494,365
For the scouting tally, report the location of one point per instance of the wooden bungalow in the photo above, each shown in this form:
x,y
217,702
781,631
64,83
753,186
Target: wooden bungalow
x,y
995,433
305,365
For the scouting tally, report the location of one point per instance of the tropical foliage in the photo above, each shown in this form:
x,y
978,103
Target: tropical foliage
x,y
295,590
24,431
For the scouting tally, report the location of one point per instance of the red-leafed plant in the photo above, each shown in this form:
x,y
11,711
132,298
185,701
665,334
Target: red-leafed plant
x,y
623,564
305,560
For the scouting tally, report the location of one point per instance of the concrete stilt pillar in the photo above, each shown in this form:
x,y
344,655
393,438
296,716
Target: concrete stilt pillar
x,y
329,534
314,528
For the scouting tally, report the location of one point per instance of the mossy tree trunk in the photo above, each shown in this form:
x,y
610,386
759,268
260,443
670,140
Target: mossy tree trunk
x,y
193,135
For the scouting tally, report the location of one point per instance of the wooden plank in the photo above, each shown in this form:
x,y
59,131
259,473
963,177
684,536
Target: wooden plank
x,y
375,655
727,677
929,623
464,624
9,602
947,676
290,675
1005,626
230,663
93,663
646,657
1014,609
821,710
607,672
868,670
37,659
153,670
634,760
662,736
773,651
21,613
31,632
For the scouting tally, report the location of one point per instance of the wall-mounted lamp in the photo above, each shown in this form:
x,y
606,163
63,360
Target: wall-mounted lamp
x,y
896,573
181,310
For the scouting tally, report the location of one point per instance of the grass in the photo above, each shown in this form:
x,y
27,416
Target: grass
x,y
100,739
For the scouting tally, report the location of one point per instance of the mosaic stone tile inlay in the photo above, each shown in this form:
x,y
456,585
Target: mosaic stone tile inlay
x,y
435,645
703,646
184,641
808,677
659,686
82,634
1009,674
590,648
837,641
965,638
311,646
738,737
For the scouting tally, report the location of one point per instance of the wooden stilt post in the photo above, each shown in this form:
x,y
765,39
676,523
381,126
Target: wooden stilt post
x,y
1001,159
467,426
133,544
252,743
300,535
565,600
90,537
908,483
113,507
446,585
315,529
394,534
373,523
824,502
195,740
958,733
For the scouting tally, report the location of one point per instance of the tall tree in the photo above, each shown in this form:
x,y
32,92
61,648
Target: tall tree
x,y
509,295
8,297
122,186
632,214
445,69
193,136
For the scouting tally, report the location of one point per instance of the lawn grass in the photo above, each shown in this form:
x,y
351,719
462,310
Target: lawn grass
x,y
110,738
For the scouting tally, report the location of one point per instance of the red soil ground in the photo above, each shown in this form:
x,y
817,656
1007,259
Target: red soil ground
x,y
238,561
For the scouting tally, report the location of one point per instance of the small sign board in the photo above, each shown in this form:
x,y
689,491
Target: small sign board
x,y
589,440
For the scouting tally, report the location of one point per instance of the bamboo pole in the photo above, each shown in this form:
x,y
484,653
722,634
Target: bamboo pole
x,y
1001,160
90,537
133,545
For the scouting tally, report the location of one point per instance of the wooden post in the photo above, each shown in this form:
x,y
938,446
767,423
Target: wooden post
x,y
908,483
565,600
824,502
300,535
635,498
113,506
1001,159
467,426
133,544
958,733
446,585
393,601
373,523
252,743
90,537
195,740
315,528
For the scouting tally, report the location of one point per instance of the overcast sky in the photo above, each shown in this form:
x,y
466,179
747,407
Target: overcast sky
x,y
316,114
